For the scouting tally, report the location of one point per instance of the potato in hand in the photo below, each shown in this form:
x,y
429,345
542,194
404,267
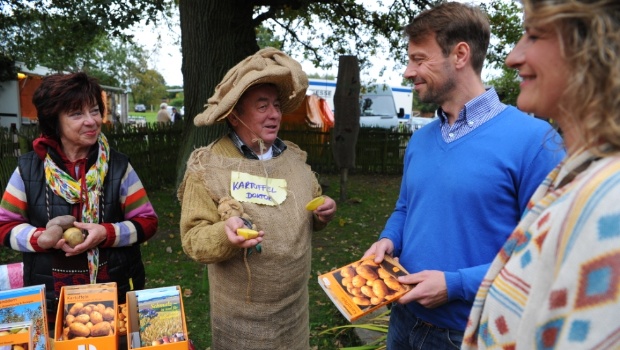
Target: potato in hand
x,y
64,221
73,236
49,237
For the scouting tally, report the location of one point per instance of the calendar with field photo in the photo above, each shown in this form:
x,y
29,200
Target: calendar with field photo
x,y
160,316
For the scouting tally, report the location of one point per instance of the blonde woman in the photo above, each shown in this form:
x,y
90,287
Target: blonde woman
x,y
555,284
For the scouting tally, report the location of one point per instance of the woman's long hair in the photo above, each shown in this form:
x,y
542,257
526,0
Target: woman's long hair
x,y
589,33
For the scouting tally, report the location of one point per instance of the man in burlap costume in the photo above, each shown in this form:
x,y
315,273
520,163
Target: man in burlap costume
x,y
259,286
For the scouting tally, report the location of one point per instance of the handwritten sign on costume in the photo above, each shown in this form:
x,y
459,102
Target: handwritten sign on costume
x,y
257,189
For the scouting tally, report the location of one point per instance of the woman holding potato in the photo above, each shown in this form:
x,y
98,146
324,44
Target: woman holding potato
x,y
258,293
74,182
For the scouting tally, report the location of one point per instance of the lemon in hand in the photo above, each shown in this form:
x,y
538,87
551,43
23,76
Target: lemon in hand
x,y
315,203
247,233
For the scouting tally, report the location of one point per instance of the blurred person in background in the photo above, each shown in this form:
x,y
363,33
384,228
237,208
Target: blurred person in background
x,y
162,115
175,116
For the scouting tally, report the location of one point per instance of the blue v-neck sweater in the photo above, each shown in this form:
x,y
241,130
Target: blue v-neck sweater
x,y
459,202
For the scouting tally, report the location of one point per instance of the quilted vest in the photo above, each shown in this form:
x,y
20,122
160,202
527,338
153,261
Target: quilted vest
x,y
124,264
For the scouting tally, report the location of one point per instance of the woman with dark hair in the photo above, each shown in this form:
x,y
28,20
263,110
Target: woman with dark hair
x,y
555,283
74,179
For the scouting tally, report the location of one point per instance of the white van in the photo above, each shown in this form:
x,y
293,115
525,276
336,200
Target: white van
x,y
378,108
381,105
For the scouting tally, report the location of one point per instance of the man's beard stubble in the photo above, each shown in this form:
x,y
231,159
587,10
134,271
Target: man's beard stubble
x,y
438,94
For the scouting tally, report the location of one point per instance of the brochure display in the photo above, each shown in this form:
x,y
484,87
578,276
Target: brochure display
x,y
89,317
20,305
156,318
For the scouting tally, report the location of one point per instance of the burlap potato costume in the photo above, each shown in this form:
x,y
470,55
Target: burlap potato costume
x,y
275,316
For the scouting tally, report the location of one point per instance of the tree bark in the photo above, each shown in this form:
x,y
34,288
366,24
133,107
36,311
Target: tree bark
x,y
215,35
346,117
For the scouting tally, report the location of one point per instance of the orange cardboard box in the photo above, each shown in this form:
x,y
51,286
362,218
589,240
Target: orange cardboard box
x,y
133,324
86,317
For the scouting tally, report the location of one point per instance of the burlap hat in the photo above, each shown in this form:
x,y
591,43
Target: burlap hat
x,y
268,65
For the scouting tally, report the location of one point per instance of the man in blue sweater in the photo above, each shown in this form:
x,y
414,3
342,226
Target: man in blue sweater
x,y
467,179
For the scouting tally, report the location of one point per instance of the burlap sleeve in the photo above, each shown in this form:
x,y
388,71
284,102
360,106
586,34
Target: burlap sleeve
x,y
202,233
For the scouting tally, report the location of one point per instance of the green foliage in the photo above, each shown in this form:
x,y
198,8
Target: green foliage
x,y
506,27
7,69
114,62
59,33
323,30
507,86
176,99
265,37
177,102
149,87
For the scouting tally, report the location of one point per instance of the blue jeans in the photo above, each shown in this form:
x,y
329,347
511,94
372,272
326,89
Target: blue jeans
x,y
407,332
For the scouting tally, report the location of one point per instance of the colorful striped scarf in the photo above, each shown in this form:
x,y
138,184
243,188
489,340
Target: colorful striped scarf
x,y
63,185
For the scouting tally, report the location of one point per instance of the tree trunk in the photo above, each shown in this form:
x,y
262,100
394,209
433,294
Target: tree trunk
x,y
346,117
215,35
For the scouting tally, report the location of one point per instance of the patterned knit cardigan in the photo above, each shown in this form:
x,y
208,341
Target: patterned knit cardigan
x,y
556,282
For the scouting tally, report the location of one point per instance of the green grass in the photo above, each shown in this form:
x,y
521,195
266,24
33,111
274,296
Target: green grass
x,y
357,224
151,117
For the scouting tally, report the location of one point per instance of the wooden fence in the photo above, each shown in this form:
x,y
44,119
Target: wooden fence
x,y
154,149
